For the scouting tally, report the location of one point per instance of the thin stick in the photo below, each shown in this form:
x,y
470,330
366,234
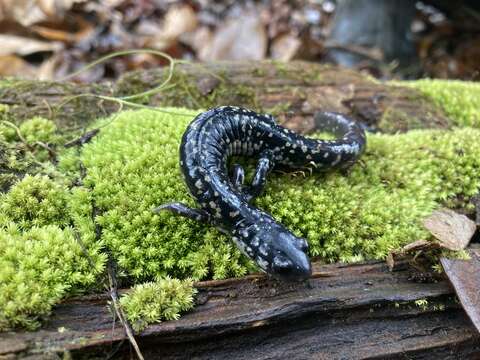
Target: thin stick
x,y
118,310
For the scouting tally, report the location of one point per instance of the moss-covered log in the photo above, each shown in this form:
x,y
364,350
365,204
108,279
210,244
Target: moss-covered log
x,y
345,311
293,91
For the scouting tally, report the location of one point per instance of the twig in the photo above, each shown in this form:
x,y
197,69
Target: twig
x,y
51,152
374,54
113,287
112,280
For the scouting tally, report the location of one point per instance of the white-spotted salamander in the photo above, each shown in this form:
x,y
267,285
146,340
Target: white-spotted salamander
x,y
225,202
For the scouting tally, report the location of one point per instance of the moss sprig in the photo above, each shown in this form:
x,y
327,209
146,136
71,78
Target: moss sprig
x,y
164,299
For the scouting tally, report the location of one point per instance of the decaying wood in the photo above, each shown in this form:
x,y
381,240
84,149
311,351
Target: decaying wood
x,y
343,312
293,91
351,312
465,278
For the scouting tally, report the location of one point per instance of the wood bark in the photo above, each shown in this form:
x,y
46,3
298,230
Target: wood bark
x,y
361,311
292,91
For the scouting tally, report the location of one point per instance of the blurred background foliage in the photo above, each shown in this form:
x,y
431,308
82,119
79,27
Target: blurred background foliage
x,y
48,39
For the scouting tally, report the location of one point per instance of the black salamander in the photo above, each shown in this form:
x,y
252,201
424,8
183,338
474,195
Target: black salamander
x,y
225,202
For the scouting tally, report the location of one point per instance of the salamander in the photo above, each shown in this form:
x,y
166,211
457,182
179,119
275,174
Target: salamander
x,y
210,141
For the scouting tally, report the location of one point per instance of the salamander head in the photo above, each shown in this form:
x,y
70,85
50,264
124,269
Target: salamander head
x,y
282,254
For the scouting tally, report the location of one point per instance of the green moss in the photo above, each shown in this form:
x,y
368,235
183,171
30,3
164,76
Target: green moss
x,y
34,201
376,208
155,301
128,178
185,90
41,260
459,99
132,167
38,268
39,129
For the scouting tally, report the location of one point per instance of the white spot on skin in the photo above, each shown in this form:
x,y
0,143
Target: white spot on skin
x,y
212,205
233,213
263,250
261,263
326,155
198,184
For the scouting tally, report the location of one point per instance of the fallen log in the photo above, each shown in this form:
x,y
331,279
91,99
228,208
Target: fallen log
x,y
343,312
292,91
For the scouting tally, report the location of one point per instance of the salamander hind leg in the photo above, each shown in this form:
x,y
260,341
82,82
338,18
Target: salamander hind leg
x,y
185,211
238,177
264,166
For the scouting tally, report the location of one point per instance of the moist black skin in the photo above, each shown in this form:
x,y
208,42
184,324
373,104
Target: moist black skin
x,y
225,202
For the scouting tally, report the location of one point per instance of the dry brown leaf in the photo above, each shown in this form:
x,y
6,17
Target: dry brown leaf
x,y
47,69
85,29
198,40
19,45
29,12
453,231
241,38
12,65
285,47
415,246
178,20
418,245
390,261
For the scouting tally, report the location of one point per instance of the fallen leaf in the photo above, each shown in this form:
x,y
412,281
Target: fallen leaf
x,y
390,261
241,38
48,68
199,40
12,65
19,45
85,29
29,12
465,278
413,246
285,47
178,20
453,231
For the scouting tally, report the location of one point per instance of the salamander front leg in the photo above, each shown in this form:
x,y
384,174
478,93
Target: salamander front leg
x,y
264,166
183,210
